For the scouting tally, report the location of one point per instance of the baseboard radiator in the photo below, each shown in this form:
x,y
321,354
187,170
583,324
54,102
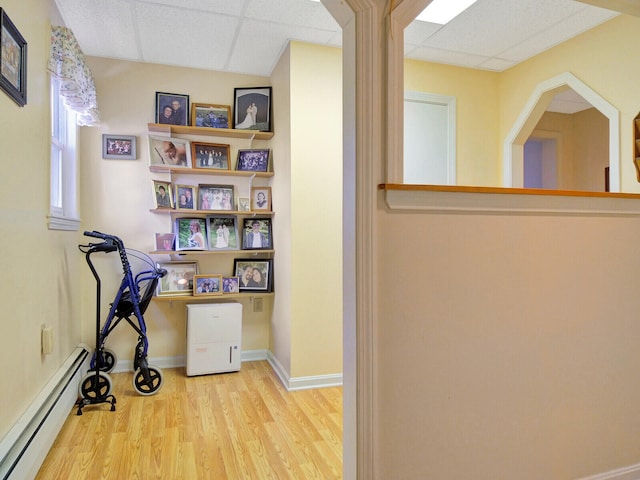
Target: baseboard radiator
x,y
25,447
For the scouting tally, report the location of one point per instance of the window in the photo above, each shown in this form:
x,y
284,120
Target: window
x,y
63,211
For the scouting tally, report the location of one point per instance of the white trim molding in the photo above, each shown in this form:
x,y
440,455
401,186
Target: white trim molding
x,y
625,473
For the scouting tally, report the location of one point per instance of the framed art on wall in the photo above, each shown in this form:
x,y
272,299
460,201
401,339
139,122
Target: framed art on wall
x,y
13,60
252,109
119,147
254,275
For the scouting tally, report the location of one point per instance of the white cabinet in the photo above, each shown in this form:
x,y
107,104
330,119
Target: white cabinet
x,y
214,335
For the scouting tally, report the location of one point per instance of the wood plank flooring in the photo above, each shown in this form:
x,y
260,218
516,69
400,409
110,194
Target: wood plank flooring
x,y
242,425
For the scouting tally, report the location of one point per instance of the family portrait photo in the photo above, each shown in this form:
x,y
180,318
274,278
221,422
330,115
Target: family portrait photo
x,y
215,197
230,285
210,116
119,147
172,108
210,155
253,160
185,197
207,285
179,278
252,109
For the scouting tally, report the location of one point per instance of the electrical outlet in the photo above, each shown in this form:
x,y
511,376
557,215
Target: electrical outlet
x,y
257,305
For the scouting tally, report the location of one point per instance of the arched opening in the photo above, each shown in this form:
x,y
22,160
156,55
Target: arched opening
x,y
529,118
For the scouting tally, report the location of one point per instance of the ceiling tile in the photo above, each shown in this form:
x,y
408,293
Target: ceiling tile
x,y
301,13
227,7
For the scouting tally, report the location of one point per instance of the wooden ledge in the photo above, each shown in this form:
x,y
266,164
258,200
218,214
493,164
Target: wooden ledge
x,y
446,198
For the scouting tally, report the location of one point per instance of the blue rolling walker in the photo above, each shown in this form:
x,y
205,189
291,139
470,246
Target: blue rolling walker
x,y
132,300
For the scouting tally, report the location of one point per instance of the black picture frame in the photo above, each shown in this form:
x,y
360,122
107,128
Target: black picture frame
x,y
179,113
258,99
253,226
253,160
242,266
13,60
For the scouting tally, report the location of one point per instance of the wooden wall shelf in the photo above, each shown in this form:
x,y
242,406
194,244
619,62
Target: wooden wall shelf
x,y
209,132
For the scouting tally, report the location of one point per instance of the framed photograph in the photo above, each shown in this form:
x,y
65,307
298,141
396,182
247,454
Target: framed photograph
x,y
186,196
172,152
256,234
162,194
253,160
211,156
207,285
254,275
230,285
252,108
244,204
119,147
179,278
210,116
172,108
222,232
165,241
13,60
215,197
261,199
190,234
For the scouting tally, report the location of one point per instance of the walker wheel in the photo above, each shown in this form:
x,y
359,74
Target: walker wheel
x,y
108,360
147,384
95,388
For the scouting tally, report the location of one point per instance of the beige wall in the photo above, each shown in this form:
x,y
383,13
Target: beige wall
x,y
40,284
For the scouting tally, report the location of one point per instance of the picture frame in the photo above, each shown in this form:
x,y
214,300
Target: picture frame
x,y
256,234
212,156
209,115
252,109
244,269
165,241
162,194
119,147
244,204
179,278
222,232
13,60
191,233
261,199
172,108
216,197
207,285
186,197
169,152
253,160
230,285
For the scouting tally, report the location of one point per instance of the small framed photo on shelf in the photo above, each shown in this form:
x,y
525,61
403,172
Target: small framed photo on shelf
x,y
179,278
222,232
208,115
254,275
215,197
172,108
186,196
253,160
256,234
13,61
165,241
261,199
171,152
230,285
162,194
252,109
119,147
211,156
190,234
207,285
244,204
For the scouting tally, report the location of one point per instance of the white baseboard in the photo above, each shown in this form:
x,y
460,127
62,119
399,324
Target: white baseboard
x,y
302,383
631,472
181,361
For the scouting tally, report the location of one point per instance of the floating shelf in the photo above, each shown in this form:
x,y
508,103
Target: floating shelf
x,y
209,132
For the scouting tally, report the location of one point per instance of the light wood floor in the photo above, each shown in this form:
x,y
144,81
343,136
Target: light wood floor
x,y
242,425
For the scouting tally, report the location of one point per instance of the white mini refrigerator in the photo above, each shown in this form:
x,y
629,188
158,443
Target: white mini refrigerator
x,y
214,334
